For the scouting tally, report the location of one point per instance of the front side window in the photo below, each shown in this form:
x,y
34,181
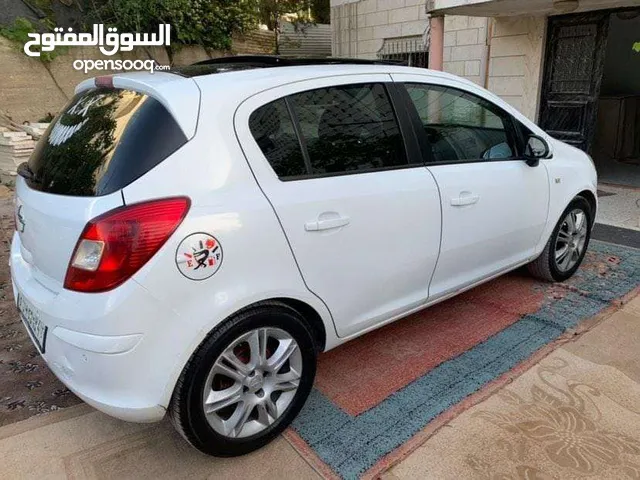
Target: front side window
x,y
461,126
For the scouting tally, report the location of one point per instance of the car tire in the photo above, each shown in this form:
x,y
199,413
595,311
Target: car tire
x,y
222,432
550,266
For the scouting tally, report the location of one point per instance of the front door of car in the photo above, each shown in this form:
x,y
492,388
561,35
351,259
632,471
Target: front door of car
x,y
494,205
362,220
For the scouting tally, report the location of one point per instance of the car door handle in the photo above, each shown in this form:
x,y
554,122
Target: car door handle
x,y
326,224
465,200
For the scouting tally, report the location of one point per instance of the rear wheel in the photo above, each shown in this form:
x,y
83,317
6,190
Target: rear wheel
x,y
246,382
567,245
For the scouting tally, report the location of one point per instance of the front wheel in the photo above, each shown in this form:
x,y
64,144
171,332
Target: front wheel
x,y
567,245
246,382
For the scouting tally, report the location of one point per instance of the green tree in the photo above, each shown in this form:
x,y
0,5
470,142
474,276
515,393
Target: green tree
x,y
272,12
321,11
18,32
208,23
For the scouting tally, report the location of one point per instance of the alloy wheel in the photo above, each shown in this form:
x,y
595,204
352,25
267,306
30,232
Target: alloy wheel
x,y
252,382
571,240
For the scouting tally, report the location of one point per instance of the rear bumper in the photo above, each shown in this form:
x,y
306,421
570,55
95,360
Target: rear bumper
x,y
110,349
128,413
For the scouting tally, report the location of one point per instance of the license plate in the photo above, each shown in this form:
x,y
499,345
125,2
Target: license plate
x,y
31,318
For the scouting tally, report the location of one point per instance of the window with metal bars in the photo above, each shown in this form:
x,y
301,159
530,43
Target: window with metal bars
x,y
412,51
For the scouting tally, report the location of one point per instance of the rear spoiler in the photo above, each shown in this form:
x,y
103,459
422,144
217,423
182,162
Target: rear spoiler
x,y
179,95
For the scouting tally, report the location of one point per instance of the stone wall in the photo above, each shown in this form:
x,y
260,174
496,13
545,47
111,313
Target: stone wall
x,y
30,89
502,54
514,48
516,56
465,47
361,27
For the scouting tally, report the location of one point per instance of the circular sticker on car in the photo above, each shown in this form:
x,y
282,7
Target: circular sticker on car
x,y
199,256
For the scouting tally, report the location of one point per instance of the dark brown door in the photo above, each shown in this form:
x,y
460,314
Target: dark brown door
x,y
573,71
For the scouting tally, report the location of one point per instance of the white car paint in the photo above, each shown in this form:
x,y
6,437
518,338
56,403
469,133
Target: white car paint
x,y
363,273
179,95
500,230
123,350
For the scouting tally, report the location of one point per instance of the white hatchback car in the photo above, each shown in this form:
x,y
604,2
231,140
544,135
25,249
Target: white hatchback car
x,y
190,241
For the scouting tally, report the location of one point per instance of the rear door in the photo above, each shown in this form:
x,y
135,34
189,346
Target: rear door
x,y
104,139
360,211
494,205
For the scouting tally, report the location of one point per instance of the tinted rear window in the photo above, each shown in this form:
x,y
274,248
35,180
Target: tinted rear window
x,y
104,140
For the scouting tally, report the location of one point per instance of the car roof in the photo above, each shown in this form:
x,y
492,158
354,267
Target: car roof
x,y
181,94
249,81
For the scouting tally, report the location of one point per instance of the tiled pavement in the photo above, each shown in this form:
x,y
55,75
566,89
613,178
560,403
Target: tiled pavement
x,y
574,415
619,206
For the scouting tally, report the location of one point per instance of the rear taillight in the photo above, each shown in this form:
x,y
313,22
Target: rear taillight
x,y
117,244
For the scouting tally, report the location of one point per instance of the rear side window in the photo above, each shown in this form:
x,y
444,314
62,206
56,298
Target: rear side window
x,y
272,128
342,129
349,128
102,141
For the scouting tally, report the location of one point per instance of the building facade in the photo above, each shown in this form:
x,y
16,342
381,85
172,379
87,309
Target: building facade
x,y
568,65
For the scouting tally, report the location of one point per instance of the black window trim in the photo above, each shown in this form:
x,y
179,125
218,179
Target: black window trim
x,y
425,145
302,142
413,155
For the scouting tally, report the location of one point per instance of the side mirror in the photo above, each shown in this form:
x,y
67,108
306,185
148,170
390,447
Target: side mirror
x,y
536,148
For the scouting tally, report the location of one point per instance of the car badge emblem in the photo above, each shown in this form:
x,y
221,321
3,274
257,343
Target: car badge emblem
x,y
20,218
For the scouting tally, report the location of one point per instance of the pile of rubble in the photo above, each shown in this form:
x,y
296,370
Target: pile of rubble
x,y
16,145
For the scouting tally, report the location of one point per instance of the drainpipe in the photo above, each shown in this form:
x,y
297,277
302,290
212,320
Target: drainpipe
x,y
436,42
487,52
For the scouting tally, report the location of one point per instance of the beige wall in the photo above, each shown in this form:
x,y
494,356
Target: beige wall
x,y
360,27
465,47
514,47
29,89
502,54
515,66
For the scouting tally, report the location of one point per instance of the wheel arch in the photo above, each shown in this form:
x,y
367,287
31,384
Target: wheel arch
x,y
312,317
558,203
589,196
309,313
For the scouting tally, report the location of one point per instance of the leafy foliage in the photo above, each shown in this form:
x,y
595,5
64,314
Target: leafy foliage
x,y
298,12
208,23
636,47
321,11
18,33
271,11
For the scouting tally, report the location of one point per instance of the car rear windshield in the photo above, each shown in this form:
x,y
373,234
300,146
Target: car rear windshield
x,y
102,141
